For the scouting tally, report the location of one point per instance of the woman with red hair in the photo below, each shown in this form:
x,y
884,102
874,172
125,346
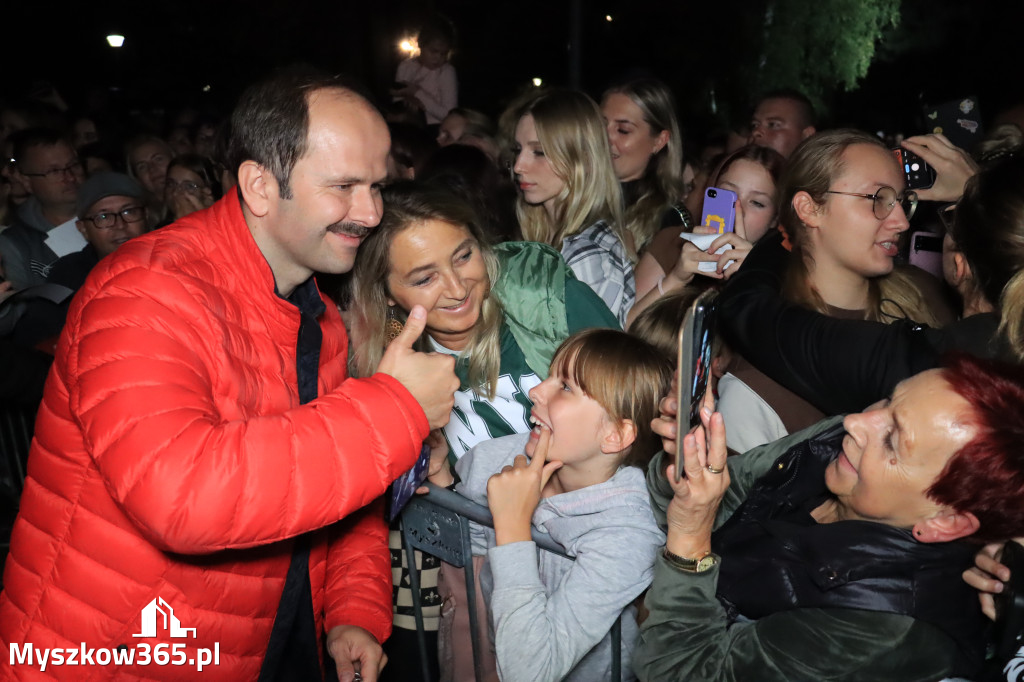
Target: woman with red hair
x,y
837,552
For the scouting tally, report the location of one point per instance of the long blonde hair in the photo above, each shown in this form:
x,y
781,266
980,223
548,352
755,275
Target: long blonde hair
x,y
662,181
571,131
813,168
408,204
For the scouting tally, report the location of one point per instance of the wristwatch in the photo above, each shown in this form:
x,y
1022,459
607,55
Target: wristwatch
x,y
705,562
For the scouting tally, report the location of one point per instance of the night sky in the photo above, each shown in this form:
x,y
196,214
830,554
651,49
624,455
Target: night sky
x,y
173,49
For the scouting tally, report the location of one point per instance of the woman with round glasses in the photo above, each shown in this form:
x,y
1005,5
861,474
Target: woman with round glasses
x,y
191,185
843,207
843,365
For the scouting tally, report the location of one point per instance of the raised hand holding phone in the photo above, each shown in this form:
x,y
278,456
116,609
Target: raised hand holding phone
x,y
514,492
733,246
953,166
694,363
699,491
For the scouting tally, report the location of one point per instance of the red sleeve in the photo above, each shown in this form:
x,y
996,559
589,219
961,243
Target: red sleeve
x,y
147,389
359,573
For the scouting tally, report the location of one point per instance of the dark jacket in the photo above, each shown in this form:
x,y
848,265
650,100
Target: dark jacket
x,y
776,557
837,365
690,635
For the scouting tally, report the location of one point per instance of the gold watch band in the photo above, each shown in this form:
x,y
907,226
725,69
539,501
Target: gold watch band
x,y
702,563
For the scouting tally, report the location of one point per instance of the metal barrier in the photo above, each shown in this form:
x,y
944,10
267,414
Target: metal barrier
x,y
438,523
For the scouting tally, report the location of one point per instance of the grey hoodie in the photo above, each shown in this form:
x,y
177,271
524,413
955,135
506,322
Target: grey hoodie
x,y
550,615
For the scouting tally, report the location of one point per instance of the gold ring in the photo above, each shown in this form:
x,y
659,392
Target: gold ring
x,y
714,470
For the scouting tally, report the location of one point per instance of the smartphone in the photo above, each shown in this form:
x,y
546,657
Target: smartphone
x,y
694,363
405,485
719,209
926,252
918,174
1009,628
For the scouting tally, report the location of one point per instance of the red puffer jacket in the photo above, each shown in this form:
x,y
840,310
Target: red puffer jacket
x,y
172,460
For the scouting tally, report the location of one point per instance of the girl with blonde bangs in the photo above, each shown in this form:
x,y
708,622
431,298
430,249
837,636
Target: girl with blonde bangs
x,y
569,194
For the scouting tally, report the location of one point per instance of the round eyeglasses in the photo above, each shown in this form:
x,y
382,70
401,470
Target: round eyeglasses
x,y
107,221
885,200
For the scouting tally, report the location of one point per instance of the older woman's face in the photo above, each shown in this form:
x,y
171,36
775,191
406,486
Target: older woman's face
x,y
439,266
896,449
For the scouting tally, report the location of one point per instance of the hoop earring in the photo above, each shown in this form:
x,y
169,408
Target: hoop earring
x,y
393,326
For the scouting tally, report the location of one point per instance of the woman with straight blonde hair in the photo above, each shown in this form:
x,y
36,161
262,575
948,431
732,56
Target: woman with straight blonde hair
x,y
570,197
647,154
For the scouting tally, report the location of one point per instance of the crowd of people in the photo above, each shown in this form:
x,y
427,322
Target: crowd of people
x,y
248,327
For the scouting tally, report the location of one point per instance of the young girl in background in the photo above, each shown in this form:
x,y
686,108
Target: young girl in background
x,y
427,81
753,173
569,195
584,486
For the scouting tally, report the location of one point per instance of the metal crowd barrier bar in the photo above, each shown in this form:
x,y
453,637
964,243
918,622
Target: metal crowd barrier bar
x,y
438,523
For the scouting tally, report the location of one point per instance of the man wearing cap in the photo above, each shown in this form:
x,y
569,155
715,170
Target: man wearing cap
x,y
110,211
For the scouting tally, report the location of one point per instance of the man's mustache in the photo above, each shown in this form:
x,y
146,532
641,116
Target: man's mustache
x,y
350,229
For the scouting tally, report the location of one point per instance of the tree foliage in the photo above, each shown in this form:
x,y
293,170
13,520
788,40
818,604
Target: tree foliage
x,y
820,46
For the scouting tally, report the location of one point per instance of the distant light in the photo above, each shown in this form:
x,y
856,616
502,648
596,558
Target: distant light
x,y
115,40
409,46
206,88
608,17
537,82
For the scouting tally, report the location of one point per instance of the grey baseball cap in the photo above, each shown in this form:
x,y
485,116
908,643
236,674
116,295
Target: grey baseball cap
x,y
106,184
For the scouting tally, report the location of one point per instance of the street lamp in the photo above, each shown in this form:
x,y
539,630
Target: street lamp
x,y
115,40
409,46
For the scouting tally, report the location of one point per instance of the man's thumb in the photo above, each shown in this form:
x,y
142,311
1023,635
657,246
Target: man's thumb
x,y
413,328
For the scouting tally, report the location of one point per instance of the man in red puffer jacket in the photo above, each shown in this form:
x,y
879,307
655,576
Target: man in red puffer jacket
x,y
204,485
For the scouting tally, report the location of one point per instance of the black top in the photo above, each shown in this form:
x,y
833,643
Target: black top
x,y
293,649
837,365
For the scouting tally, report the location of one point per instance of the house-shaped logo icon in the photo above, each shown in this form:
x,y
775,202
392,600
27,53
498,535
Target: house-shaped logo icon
x,y
170,623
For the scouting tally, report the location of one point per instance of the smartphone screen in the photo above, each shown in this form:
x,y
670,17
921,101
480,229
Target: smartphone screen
x,y
719,211
694,364
916,171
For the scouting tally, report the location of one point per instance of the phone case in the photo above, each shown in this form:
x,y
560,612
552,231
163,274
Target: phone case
x,y
926,252
719,209
959,120
405,485
695,341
